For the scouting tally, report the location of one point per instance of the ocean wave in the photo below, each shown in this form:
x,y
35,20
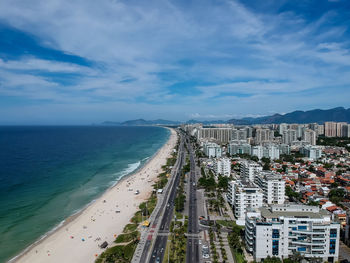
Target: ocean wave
x,y
131,168
145,159
37,241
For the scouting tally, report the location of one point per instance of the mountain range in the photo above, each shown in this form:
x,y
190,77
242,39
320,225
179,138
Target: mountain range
x,y
339,114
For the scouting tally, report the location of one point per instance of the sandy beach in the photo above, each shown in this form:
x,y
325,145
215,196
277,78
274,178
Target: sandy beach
x,y
79,238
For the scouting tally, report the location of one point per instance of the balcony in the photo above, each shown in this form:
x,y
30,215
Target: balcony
x,y
250,242
306,232
302,242
318,249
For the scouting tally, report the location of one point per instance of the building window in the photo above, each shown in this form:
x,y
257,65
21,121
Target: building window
x,y
302,227
332,243
275,247
275,233
301,249
333,232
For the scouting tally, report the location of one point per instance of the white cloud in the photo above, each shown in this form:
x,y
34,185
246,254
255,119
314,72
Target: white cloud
x,y
30,63
233,50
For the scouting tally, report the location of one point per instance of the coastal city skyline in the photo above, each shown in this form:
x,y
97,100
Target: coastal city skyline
x,y
179,131
79,62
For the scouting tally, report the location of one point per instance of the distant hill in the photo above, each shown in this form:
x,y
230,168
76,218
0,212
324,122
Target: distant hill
x,y
339,114
111,123
141,122
205,122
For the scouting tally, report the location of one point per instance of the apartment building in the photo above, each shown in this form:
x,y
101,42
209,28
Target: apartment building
x,y
238,134
283,230
273,187
263,135
271,151
289,136
309,136
330,129
239,147
312,152
211,149
243,196
222,166
249,170
222,135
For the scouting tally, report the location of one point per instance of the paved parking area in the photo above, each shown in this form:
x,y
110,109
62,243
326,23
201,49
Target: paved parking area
x,y
344,251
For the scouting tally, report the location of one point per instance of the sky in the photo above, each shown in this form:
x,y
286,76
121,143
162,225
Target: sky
x,y
84,61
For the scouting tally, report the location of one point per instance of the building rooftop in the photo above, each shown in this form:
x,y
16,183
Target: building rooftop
x,y
268,213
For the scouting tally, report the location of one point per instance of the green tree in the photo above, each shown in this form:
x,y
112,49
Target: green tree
x,y
266,167
292,194
336,195
223,182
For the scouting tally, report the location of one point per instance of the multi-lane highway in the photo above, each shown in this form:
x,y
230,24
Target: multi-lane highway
x,y
192,251
164,216
160,228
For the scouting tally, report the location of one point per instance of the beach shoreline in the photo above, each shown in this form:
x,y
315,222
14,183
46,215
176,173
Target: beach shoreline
x,y
81,229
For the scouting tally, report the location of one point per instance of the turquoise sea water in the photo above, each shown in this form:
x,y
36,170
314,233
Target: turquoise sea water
x,y
50,173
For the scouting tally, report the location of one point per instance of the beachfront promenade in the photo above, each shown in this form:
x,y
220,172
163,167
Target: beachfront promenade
x,y
153,240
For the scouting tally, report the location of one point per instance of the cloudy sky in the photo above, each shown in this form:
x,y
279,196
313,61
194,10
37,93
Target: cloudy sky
x,y
82,61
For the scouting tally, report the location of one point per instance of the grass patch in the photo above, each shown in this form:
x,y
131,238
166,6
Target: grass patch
x,y
127,237
178,215
239,257
137,218
228,223
130,228
118,254
166,252
163,179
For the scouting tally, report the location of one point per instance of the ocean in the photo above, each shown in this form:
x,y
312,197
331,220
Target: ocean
x,y
49,173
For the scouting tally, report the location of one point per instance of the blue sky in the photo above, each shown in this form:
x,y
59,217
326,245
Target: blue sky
x,y
82,61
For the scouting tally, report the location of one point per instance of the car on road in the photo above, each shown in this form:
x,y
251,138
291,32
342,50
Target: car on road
x,y
205,249
206,256
158,260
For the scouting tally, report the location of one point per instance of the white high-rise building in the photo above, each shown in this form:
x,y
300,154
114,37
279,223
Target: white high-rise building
x,y
283,127
212,149
249,170
239,147
341,127
238,134
258,151
289,136
270,151
312,152
273,187
300,130
273,152
243,196
222,166
263,135
310,136
222,135
283,230
330,129
320,130
284,148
